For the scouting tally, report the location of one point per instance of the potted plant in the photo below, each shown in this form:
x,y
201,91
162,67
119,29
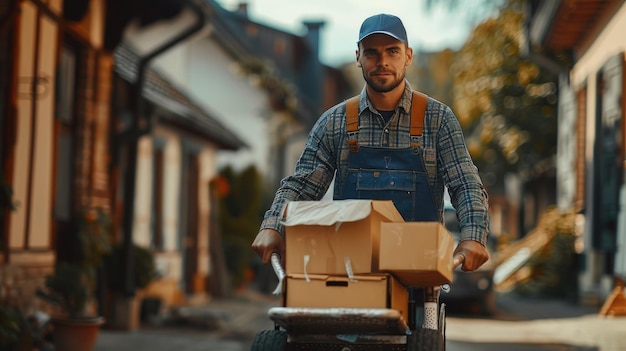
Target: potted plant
x,y
72,285
123,311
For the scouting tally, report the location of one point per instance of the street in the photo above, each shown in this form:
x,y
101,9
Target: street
x,y
519,324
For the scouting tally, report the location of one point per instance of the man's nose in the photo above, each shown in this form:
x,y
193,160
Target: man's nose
x,y
382,60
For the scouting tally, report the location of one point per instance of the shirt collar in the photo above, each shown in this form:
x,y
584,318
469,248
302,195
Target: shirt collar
x,y
404,104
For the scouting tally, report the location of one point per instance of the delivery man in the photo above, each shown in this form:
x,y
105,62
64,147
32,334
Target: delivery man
x,y
389,143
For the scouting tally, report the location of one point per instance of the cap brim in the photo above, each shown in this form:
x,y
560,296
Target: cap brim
x,y
381,32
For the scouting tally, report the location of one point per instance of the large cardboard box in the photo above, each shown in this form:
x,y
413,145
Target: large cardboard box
x,y
417,253
321,236
364,291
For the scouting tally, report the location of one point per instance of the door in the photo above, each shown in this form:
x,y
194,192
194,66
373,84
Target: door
x,y
608,156
190,235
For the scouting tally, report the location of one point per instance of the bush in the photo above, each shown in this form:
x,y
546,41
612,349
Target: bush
x,y
553,269
144,269
9,328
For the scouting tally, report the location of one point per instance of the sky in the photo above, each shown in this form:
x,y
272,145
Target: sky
x,y
432,30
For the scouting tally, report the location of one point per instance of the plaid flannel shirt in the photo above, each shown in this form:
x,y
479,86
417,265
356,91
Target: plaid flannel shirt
x,y
446,158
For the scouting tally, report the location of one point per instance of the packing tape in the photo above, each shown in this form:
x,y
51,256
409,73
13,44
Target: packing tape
x,y
280,273
307,258
349,271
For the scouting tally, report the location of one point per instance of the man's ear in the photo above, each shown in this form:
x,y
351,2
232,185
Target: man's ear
x,y
409,55
358,58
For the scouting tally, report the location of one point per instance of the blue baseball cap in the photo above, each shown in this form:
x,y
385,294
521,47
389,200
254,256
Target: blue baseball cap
x,y
383,24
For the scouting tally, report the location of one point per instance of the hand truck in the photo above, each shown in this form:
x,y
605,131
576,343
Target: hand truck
x,y
356,329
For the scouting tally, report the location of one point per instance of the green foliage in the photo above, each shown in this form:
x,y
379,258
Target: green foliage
x,y
70,288
281,93
240,215
9,328
94,238
144,268
6,195
6,202
506,104
73,282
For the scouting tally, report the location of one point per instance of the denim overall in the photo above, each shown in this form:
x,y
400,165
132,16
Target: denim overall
x,y
397,174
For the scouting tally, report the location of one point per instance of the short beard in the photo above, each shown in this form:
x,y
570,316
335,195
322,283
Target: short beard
x,y
380,88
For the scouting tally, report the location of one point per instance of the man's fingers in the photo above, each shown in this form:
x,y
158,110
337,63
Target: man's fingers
x,y
458,260
266,242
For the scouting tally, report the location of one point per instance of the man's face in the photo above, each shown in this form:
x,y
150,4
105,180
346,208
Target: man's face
x,y
383,61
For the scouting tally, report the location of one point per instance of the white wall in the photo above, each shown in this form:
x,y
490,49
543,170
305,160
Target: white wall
x,y
169,261
566,147
201,68
241,106
142,233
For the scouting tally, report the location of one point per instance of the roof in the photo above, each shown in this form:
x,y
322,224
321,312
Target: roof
x,y
293,58
182,110
562,25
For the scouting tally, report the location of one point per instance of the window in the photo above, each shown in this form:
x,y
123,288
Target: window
x,y
66,143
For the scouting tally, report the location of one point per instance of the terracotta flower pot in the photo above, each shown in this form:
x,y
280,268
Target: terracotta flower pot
x,y
76,334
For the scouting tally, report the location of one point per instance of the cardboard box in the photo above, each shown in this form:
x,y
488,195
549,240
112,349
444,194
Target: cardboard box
x,y
321,235
366,291
417,253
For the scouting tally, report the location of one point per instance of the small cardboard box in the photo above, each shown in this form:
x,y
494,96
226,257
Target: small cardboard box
x,y
364,291
321,236
417,253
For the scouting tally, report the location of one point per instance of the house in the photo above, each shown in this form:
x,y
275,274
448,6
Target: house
x,y
263,84
231,68
176,162
85,126
266,85
54,110
583,41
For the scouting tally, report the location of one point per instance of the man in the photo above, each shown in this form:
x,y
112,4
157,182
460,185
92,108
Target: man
x,y
406,161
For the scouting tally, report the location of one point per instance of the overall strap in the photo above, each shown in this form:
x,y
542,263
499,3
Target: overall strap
x,y
418,111
352,121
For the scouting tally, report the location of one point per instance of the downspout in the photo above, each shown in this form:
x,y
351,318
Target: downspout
x,y
12,12
135,132
7,126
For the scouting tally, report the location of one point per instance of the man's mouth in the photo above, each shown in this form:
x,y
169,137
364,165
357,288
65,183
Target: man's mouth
x,y
382,74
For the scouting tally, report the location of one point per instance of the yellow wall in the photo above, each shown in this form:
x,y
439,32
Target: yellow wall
x,y
40,138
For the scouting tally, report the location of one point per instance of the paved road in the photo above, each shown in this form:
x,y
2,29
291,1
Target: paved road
x,y
519,325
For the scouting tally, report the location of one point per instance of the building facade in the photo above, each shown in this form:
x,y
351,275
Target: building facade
x,y
583,41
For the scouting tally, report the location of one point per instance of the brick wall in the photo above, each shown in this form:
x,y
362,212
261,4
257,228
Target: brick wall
x,y
92,180
18,284
101,157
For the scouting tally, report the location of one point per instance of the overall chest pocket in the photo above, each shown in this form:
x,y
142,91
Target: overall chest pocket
x,y
383,179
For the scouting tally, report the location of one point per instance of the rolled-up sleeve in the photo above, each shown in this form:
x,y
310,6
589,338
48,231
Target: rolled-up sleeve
x,y
467,192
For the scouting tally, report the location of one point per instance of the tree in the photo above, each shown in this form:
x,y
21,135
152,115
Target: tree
x,y
506,104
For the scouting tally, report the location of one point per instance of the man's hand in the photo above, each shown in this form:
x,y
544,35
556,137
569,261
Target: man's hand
x,y
471,254
267,242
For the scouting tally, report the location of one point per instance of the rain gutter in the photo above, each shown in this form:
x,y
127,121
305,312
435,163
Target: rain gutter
x,y
135,132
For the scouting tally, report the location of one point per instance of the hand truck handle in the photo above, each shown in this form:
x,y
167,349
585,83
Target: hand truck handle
x,y
280,272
